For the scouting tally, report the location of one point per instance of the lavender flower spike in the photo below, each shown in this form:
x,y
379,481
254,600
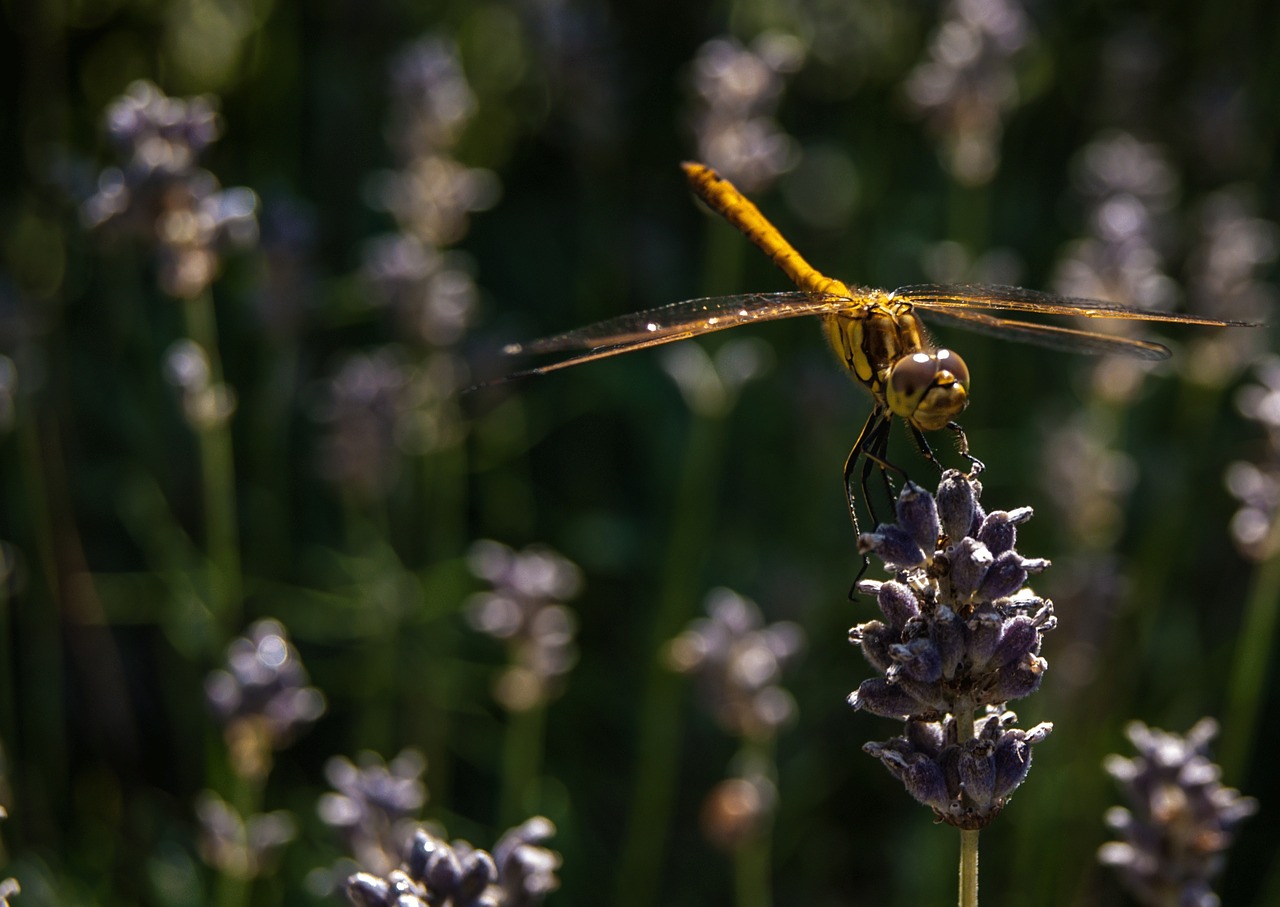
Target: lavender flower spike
x,y
960,634
1181,819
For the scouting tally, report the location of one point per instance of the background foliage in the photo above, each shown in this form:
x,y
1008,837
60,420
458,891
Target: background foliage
x,y
1119,149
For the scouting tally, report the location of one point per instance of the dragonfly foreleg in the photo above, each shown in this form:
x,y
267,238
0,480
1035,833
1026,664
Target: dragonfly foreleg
x,y
962,445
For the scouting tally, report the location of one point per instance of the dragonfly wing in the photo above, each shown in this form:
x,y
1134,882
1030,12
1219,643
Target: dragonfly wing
x,y
1052,336
681,320
1016,299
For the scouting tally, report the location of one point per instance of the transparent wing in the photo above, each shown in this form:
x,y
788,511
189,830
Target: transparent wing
x,y
684,319
1017,299
1053,336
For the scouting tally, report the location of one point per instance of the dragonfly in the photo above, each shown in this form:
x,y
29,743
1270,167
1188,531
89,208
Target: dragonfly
x,y
876,334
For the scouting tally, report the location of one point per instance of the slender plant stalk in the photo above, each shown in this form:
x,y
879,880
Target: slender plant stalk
x,y
1252,663
245,797
752,877
753,862
968,837
659,731
522,765
217,478
969,867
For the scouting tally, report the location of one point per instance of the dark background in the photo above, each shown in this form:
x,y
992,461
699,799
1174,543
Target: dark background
x,y
583,113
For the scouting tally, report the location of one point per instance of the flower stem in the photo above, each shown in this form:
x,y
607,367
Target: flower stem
x,y
753,862
969,867
659,735
1252,663
521,764
968,837
217,478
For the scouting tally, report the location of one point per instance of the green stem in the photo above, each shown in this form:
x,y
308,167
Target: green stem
x,y
232,889
659,731
522,765
968,837
968,867
753,862
1252,662
217,478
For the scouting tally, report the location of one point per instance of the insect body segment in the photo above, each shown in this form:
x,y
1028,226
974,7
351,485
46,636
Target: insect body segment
x,y
876,334
742,213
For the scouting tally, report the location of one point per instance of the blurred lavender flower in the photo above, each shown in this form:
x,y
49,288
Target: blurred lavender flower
x,y
1087,479
737,810
262,697
374,805
577,47
362,406
432,99
431,293
1129,189
519,873
736,94
205,404
8,887
711,384
737,662
240,848
160,194
524,610
287,291
430,195
967,85
378,407
1257,485
960,633
1235,246
1181,819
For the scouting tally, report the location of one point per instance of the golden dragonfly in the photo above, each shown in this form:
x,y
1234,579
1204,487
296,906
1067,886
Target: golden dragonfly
x,y
876,334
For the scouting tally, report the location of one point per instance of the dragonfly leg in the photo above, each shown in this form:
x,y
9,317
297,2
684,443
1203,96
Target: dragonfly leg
x,y
874,455
962,445
922,445
869,449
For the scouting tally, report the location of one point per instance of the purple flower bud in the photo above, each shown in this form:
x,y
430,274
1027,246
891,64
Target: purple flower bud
x,y
1012,757
898,604
998,532
1005,577
958,507
477,872
949,637
879,697
985,626
923,778
918,659
977,775
874,638
892,545
970,561
1018,639
365,890
918,516
443,869
1019,679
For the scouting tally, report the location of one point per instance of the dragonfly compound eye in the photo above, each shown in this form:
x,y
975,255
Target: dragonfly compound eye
x,y
928,389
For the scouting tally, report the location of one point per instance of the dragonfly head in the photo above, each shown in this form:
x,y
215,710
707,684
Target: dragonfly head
x,y
928,389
